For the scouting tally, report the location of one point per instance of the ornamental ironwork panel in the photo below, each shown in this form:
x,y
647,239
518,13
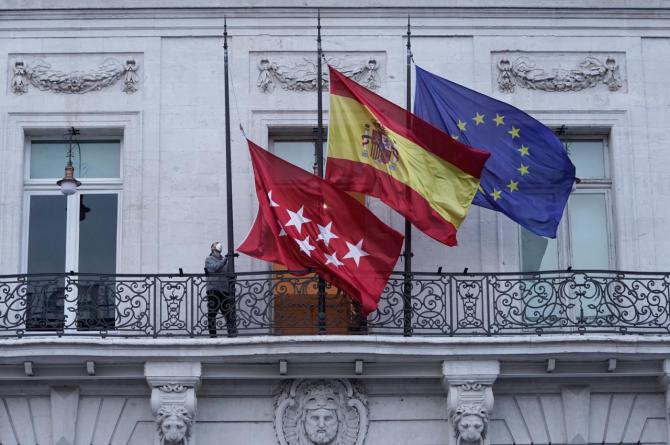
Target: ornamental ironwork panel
x,y
286,303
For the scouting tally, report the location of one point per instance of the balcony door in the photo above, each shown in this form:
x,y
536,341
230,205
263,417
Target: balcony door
x,y
297,312
76,233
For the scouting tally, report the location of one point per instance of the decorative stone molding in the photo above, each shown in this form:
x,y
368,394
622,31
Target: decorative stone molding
x,y
321,412
173,399
469,398
588,73
301,75
40,75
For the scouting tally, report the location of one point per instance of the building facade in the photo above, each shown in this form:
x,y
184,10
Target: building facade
x,y
508,338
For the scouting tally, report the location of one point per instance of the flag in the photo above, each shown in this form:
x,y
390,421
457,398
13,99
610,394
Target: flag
x,y
529,176
304,222
378,148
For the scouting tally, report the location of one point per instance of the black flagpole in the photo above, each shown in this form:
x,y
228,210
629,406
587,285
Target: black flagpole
x,y
230,255
407,288
318,155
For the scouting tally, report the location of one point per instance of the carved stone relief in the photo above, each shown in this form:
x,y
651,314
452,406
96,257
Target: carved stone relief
x,y
468,407
174,407
300,73
585,72
42,76
321,412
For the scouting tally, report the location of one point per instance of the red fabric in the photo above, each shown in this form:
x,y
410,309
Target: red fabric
x,y
406,124
294,189
363,178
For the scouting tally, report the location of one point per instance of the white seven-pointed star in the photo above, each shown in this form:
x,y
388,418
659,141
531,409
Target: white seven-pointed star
x,y
305,246
355,251
272,203
325,233
297,219
332,259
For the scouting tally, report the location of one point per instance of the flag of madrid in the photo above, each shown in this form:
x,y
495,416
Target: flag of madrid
x,y
304,222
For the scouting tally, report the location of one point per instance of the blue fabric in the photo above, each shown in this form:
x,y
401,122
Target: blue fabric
x,y
542,190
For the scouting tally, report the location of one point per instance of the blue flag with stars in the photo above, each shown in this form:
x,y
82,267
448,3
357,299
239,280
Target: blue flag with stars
x,y
528,177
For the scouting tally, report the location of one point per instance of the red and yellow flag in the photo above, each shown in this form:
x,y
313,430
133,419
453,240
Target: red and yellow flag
x,y
377,148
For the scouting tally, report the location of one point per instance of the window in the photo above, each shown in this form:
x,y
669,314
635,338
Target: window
x,y
71,233
585,233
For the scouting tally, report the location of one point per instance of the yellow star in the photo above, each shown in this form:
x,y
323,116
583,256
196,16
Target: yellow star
x,y
514,132
523,169
454,137
523,150
461,125
496,194
479,119
513,185
499,120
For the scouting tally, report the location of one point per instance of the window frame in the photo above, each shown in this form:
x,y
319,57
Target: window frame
x,y
48,186
587,185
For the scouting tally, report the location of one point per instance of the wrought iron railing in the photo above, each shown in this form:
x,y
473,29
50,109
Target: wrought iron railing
x,y
281,303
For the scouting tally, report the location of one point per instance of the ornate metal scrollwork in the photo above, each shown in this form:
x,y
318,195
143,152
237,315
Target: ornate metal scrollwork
x,y
40,75
587,74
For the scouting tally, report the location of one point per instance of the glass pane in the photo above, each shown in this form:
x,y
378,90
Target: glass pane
x,y
97,233
300,153
97,254
46,234
537,252
46,254
99,159
588,157
588,231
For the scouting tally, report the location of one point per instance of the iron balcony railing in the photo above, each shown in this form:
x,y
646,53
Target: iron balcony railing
x,y
282,303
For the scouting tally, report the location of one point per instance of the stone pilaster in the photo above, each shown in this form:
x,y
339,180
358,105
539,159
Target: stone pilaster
x,y
173,399
665,380
469,399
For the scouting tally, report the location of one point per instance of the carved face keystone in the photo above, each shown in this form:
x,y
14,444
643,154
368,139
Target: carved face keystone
x,y
321,425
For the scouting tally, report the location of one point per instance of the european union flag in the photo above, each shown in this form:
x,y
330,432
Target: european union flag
x,y
528,177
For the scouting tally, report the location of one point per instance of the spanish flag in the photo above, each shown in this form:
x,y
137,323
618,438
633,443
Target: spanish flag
x,y
377,148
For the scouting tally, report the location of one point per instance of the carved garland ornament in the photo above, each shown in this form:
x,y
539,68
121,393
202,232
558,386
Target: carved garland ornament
x,y
40,75
588,73
301,76
321,412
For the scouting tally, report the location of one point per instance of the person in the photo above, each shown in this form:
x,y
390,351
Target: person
x,y
218,292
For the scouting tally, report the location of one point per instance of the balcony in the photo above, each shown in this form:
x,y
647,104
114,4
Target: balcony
x,y
283,303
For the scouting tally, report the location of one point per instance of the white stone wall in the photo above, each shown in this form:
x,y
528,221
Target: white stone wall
x,y
173,153
401,412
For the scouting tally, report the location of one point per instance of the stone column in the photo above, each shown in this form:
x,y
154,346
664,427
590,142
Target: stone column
x,y
173,399
469,399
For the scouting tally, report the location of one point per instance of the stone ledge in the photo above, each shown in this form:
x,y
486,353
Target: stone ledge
x,y
325,348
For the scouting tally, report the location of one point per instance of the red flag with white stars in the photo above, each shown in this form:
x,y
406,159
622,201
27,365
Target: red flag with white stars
x,y
304,222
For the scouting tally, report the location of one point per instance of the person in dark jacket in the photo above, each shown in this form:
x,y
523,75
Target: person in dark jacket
x,y
219,298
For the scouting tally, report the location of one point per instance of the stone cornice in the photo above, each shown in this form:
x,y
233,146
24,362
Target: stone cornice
x,y
91,10
334,348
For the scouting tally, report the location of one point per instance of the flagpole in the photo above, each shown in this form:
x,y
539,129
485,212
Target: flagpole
x,y
230,255
407,285
318,155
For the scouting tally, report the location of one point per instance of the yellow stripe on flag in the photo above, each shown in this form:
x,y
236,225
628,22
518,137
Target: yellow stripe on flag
x,y
447,189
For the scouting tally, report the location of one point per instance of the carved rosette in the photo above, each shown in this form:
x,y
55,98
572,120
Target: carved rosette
x,y
320,412
40,75
301,75
588,73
